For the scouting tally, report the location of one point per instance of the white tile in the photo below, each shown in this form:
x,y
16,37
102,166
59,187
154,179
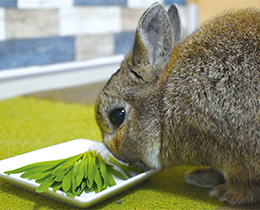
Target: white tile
x,y
2,24
141,4
43,4
31,23
130,18
90,20
94,46
183,16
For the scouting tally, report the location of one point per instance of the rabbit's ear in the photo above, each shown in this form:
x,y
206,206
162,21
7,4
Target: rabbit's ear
x,y
174,18
154,41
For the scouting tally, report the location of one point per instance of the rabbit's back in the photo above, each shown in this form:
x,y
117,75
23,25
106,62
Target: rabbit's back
x,y
213,78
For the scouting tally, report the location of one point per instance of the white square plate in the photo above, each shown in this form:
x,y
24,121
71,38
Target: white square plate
x,y
65,150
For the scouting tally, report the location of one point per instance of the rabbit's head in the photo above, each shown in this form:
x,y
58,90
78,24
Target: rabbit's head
x,y
128,109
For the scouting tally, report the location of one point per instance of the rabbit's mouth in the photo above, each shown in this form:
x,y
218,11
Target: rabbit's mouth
x,y
141,165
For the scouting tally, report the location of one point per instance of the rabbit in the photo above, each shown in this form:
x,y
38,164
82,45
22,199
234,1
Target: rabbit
x,y
191,101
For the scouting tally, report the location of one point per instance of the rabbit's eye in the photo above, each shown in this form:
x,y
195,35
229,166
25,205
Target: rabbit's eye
x,y
117,116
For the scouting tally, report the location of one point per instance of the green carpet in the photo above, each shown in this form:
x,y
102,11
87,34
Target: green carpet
x,y
28,124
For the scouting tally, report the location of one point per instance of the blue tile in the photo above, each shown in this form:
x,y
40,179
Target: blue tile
x,y
29,52
179,2
100,2
8,3
124,42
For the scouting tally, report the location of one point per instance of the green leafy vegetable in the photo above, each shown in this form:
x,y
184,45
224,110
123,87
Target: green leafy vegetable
x,y
84,172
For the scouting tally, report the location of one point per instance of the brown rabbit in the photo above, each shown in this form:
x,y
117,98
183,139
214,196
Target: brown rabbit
x,y
190,102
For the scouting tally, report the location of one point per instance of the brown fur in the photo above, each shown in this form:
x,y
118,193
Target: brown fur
x,y
203,108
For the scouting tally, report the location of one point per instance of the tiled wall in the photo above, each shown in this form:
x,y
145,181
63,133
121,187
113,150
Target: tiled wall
x,y
41,32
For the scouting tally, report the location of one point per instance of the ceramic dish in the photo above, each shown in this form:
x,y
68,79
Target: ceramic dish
x,y
65,150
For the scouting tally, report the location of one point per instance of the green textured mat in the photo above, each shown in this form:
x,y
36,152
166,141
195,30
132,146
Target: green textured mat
x,y
28,124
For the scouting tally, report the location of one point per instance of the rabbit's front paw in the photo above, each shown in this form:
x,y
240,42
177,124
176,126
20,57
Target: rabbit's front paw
x,y
205,177
222,194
